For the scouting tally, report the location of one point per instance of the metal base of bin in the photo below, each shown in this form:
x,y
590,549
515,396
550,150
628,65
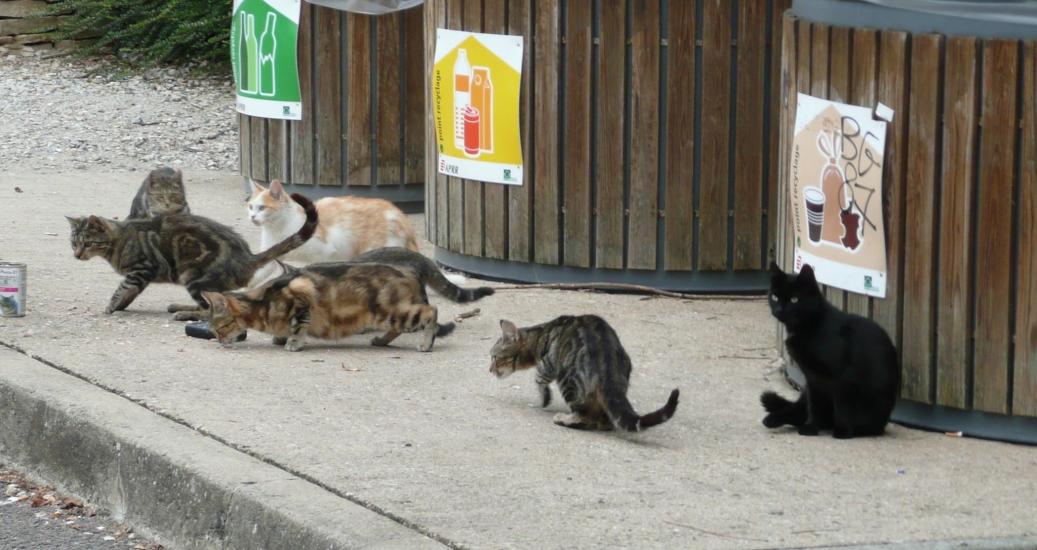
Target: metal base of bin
x,y
410,198
732,282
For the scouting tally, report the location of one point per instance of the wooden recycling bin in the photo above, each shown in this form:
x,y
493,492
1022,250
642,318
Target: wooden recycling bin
x,y
648,145
362,128
960,209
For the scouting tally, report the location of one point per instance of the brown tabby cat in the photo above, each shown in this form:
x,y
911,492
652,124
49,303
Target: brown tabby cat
x,y
183,249
329,301
583,355
162,192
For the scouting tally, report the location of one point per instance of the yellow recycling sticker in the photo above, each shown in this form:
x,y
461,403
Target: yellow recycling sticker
x,y
475,97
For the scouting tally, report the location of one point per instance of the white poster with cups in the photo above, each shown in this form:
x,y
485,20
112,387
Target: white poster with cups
x,y
836,194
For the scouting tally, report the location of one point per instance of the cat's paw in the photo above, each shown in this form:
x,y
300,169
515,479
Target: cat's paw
x,y
570,420
425,346
187,316
380,342
293,344
808,430
279,340
545,397
110,310
772,421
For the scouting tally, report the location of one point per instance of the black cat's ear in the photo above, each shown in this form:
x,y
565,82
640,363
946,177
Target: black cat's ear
x,y
806,276
509,329
775,270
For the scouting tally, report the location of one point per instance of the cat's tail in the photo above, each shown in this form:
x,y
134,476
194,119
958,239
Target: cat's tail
x,y
441,283
781,411
296,240
623,416
773,402
445,329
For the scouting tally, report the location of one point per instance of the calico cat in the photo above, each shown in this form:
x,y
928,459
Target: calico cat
x,y
850,364
349,226
425,270
184,249
162,192
329,301
584,356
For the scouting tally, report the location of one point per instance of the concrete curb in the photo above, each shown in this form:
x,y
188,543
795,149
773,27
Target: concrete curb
x,y
179,487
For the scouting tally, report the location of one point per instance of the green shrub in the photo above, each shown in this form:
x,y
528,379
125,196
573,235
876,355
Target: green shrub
x,y
152,32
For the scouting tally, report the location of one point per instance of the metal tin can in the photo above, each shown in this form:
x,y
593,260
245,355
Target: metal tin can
x,y
12,289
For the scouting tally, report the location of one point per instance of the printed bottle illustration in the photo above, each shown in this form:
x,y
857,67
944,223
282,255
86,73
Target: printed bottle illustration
x,y
462,95
832,186
482,101
267,50
246,56
252,44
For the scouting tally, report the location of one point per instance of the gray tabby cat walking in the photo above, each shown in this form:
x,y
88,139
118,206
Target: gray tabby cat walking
x,y
583,355
196,252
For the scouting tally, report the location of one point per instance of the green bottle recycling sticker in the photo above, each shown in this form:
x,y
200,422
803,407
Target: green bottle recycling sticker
x,y
263,39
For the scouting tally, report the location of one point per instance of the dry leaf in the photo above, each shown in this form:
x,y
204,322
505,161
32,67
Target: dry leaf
x,y
17,189
37,501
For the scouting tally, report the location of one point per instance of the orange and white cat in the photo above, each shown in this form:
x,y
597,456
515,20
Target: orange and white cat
x,y
346,226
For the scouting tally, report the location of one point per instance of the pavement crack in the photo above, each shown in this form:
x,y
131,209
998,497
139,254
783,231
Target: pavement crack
x,y
245,450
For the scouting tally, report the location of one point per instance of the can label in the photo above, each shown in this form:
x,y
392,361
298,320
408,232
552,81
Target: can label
x,y
12,289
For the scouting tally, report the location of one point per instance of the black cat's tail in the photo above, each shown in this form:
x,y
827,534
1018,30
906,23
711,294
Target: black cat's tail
x,y
445,329
781,411
447,289
623,416
295,241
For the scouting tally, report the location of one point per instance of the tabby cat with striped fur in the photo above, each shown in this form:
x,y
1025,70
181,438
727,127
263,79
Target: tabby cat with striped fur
x,y
192,251
583,355
162,192
329,301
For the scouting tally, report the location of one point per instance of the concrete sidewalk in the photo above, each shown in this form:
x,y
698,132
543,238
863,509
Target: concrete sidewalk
x,y
352,446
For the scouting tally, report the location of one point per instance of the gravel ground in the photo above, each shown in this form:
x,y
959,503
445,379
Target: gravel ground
x,y
36,517
66,113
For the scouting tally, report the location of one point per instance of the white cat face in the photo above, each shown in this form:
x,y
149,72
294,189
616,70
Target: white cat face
x,y
266,205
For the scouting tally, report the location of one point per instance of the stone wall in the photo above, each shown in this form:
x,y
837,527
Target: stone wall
x,y
23,28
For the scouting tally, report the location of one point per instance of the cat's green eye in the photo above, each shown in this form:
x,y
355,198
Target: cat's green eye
x,y
794,299
774,297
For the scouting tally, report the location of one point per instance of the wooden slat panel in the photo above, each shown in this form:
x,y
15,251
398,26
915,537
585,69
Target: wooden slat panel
x,y
329,96
455,186
358,101
611,54
545,190
494,194
244,146
994,225
576,213
388,103
715,120
644,129
919,200
436,19
258,143
893,91
865,63
1024,394
953,295
819,88
413,102
749,137
432,18
802,84
302,130
276,164
519,197
473,223
680,141
778,8
787,101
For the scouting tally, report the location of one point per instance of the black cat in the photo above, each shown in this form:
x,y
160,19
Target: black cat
x,y
851,366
